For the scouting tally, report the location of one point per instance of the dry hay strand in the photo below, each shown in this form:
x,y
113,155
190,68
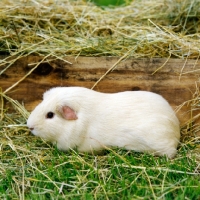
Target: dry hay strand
x,y
191,129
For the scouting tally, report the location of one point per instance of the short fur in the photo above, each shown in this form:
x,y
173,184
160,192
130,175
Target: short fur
x,y
135,120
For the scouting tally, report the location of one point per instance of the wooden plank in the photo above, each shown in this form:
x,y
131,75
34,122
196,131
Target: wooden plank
x,y
176,80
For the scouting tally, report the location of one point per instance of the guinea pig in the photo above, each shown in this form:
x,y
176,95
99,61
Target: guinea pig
x,y
77,117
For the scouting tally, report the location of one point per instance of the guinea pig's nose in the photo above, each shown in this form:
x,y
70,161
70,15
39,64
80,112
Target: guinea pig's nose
x,y
31,128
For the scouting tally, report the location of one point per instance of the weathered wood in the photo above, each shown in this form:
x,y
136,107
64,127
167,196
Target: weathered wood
x,y
175,80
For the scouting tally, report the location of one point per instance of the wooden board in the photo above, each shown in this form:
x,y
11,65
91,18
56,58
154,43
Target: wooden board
x,y
176,80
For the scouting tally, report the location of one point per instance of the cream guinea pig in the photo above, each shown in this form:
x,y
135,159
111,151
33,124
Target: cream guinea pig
x,y
77,117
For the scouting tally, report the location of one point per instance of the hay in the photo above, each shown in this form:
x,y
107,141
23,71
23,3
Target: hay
x,y
81,28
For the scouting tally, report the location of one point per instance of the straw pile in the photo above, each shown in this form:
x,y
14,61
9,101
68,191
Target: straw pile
x,y
156,28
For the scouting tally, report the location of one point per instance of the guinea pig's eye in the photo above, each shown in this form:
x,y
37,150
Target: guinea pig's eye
x,y
50,115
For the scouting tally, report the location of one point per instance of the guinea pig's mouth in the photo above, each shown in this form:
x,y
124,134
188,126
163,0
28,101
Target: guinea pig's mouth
x,y
33,131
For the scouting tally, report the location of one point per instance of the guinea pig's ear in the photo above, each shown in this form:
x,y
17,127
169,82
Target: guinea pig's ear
x,y
67,113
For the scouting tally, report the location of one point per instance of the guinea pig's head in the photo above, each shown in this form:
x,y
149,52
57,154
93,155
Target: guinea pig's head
x,y
50,117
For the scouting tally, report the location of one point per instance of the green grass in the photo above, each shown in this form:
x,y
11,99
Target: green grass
x,y
33,169
111,2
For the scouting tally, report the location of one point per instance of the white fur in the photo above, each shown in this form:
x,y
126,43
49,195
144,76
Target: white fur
x,y
136,120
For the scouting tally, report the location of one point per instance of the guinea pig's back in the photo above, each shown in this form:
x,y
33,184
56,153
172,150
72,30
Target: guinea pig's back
x,y
140,119
138,104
